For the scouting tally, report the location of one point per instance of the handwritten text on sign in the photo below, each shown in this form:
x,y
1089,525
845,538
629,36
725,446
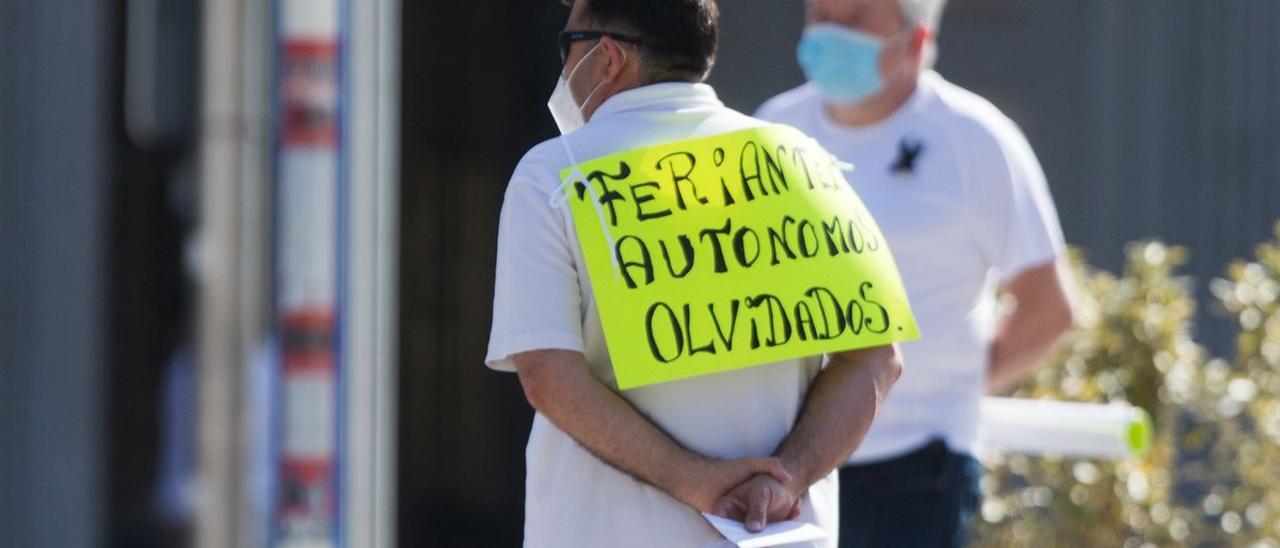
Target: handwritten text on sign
x,y
729,252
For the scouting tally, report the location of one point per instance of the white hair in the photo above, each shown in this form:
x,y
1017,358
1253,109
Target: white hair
x,y
927,13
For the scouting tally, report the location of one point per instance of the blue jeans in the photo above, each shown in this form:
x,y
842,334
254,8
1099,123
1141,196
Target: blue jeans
x,y
926,498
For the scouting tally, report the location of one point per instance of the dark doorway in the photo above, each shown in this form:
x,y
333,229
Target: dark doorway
x,y
476,76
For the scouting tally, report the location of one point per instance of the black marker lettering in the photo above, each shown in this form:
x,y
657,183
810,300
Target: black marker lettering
x,y
855,322
682,176
645,261
717,156
776,238
884,313
709,348
607,196
733,323
873,243
804,319
856,241
674,324
808,239
640,200
721,267
775,171
754,164
830,309
686,247
740,247
832,231
797,156
778,318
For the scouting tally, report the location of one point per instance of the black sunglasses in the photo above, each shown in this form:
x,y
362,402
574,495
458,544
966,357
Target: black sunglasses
x,y
568,37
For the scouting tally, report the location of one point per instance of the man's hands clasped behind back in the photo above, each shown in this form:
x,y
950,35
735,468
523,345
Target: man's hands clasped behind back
x,y
760,500
751,490
712,480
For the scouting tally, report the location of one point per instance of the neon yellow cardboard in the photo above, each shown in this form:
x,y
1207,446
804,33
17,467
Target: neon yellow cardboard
x,y
731,251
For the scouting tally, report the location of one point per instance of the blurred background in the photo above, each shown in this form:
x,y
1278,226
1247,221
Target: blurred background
x,y
246,255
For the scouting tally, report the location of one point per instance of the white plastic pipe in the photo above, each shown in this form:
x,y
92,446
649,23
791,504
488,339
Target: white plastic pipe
x,y
1087,430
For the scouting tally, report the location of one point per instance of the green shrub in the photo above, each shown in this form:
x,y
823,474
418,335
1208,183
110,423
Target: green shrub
x,y
1211,476
1133,335
1241,407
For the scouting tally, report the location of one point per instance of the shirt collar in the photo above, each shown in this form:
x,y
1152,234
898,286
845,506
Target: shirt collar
x,y
667,96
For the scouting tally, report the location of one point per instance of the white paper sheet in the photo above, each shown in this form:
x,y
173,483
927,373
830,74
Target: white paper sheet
x,y
774,534
1086,430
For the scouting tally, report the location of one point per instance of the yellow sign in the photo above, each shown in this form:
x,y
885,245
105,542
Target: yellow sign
x,y
731,251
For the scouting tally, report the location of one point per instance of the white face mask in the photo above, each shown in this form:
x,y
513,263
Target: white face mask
x,y
564,109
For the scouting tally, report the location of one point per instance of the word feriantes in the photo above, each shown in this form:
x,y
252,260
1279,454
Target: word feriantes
x,y
758,174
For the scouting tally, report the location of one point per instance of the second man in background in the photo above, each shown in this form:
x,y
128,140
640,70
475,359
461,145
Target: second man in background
x,y
965,207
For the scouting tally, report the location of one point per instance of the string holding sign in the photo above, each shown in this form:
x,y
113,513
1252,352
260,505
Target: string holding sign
x,y
732,251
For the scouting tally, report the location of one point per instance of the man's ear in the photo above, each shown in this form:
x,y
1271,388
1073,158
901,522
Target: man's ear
x,y
617,56
920,37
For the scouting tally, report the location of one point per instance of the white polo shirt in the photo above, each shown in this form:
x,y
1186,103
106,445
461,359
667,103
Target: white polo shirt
x,y
972,211
543,300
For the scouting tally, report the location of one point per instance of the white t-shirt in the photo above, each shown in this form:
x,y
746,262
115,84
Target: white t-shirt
x,y
543,300
974,211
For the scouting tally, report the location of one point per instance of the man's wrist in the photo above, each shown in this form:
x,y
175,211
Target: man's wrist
x,y
681,480
799,482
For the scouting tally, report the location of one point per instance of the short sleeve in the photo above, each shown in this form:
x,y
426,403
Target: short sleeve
x,y
536,301
1014,220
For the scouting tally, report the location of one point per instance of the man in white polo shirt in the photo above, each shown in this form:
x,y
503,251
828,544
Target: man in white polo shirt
x,y
618,468
965,207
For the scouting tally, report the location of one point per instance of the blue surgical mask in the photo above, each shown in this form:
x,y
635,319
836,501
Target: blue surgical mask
x,y
843,63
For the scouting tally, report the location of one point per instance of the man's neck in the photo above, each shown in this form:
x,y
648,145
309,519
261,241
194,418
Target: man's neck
x,y
874,109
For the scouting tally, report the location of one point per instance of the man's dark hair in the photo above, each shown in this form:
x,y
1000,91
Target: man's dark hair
x,y
678,37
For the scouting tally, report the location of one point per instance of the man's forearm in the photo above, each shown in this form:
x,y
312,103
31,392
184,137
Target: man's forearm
x,y
1041,315
1017,348
559,385
838,411
603,422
